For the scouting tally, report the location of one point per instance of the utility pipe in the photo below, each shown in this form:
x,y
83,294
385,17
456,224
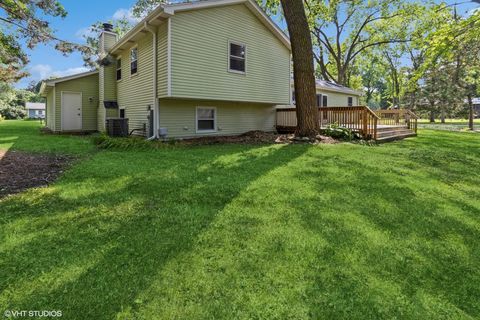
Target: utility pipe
x,y
156,107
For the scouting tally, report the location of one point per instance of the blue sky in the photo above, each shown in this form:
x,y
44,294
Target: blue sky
x,y
45,61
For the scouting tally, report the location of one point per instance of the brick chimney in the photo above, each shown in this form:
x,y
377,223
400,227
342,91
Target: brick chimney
x,y
107,70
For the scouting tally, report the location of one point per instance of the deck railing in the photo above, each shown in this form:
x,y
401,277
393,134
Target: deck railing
x,y
398,117
357,118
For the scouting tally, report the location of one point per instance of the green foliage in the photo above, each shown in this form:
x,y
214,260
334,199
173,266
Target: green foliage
x,y
9,112
103,141
337,132
90,58
26,20
12,101
337,231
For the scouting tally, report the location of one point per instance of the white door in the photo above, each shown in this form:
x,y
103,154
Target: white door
x,y
71,111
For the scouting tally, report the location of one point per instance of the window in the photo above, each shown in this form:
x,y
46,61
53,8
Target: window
x,y
350,101
119,69
293,97
325,101
133,60
237,57
206,119
319,100
40,112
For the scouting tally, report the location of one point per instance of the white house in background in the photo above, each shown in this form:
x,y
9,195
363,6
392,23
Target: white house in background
x,y
330,94
35,110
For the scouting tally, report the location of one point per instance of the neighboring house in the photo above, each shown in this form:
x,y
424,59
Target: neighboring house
x,y
330,94
35,110
476,107
215,67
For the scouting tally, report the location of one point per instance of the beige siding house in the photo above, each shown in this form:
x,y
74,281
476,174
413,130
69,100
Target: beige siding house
x,y
214,67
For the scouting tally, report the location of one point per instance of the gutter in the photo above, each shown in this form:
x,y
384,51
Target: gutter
x,y
156,107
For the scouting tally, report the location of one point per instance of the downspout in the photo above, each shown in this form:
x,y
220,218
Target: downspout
x,y
156,108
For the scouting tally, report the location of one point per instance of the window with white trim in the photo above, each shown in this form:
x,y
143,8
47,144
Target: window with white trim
x,y
319,100
350,101
119,69
133,60
236,57
206,119
324,101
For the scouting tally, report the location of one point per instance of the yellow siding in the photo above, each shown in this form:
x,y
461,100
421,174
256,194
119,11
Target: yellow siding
x,y
135,92
162,35
50,116
88,86
200,57
337,99
178,116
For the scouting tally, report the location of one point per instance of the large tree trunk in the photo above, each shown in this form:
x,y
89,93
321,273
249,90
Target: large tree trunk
x,y
303,70
470,112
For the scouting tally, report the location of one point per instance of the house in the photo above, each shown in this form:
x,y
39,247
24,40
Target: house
x,y
476,107
214,67
331,94
35,110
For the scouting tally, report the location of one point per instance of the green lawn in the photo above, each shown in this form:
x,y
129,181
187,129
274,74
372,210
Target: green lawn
x,y
449,125
342,231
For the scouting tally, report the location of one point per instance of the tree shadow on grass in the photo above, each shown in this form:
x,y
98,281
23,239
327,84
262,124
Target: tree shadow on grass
x,y
90,243
395,247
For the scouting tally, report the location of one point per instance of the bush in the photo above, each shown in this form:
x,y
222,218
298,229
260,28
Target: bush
x,y
102,141
1,118
337,132
11,113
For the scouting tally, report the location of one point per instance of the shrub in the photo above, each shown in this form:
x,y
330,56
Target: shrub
x,y
102,141
337,132
10,113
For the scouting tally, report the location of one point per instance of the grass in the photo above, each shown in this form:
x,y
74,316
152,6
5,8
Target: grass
x,y
248,231
449,125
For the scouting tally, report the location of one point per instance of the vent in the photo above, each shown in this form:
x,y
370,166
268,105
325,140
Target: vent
x,y
110,104
108,27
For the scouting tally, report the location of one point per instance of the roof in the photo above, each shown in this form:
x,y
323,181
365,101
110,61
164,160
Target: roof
x,y
476,100
164,11
52,82
333,87
35,105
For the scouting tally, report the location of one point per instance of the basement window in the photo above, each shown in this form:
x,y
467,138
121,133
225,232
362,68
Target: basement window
x,y
237,57
206,119
133,61
119,69
350,101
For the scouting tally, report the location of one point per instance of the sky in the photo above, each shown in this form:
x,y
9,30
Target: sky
x,y
45,61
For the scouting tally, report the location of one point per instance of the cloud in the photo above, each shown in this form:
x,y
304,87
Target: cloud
x,y
85,32
125,14
473,11
121,13
45,71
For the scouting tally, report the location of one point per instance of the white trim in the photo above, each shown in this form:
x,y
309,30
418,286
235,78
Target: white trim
x,y
214,119
169,57
121,71
74,76
328,100
348,97
130,59
230,42
166,11
81,108
54,127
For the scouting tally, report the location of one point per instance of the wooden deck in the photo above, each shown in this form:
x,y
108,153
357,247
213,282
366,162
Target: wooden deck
x,y
380,125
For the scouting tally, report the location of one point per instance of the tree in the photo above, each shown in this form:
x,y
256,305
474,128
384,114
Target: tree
x,y
303,69
355,26
90,58
26,19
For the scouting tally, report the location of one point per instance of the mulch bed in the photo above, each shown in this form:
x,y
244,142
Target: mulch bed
x,y
259,137
21,170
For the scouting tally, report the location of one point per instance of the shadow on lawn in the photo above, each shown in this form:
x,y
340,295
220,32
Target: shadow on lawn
x,y
396,246
91,243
